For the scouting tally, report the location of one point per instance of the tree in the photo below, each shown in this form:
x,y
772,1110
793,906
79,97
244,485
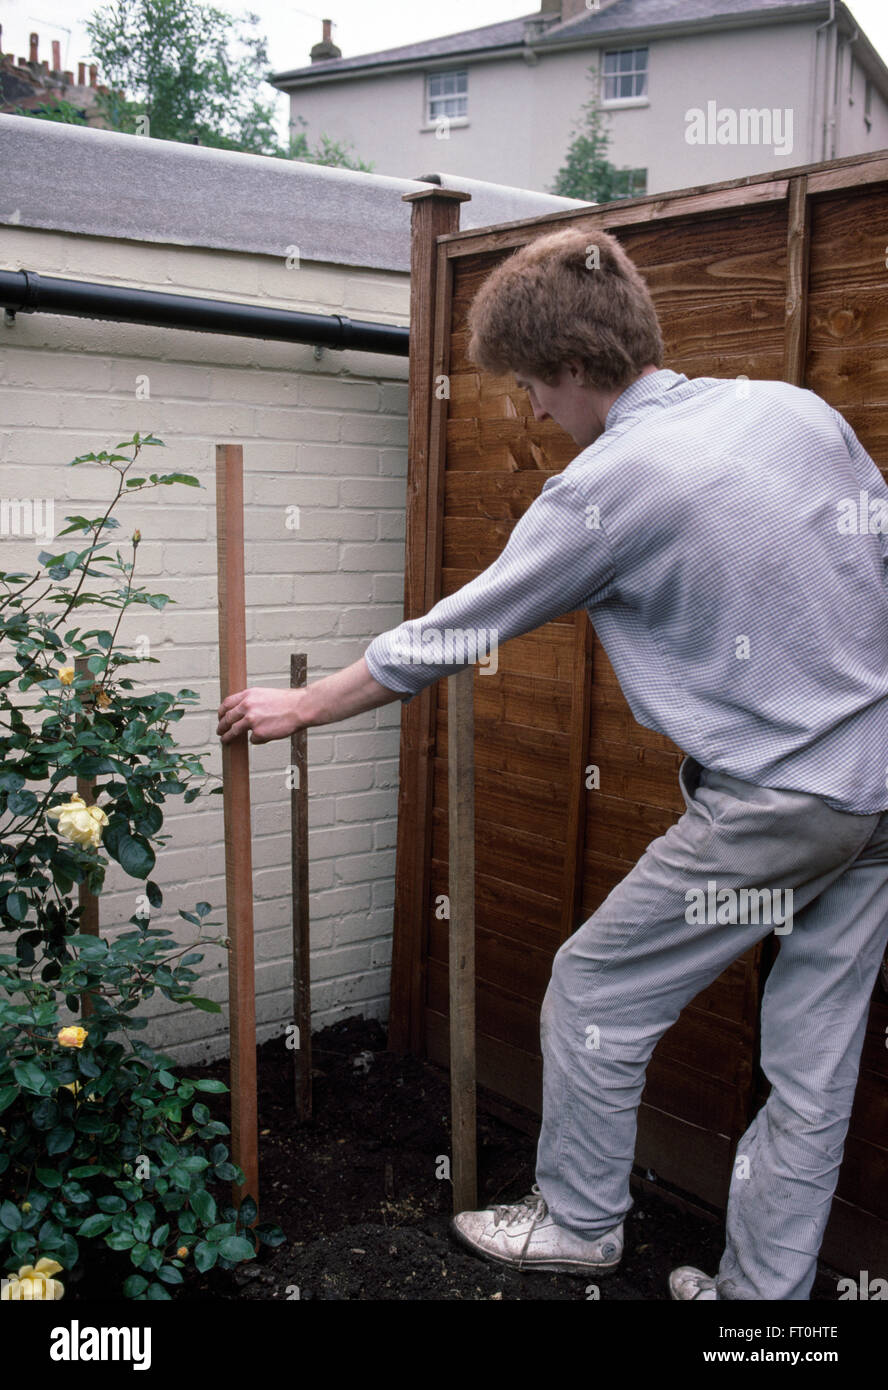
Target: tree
x,y
193,73
587,174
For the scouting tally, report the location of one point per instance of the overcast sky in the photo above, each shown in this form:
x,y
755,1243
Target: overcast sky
x,y
290,30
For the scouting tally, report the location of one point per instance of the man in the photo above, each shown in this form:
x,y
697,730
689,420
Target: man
x,y
726,541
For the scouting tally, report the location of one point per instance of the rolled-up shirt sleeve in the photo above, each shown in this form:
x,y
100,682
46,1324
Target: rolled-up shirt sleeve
x,y
557,559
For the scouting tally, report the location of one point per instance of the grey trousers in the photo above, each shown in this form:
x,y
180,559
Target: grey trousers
x,y
816,877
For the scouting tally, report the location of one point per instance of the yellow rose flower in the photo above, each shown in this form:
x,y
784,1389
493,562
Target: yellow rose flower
x,y
79,822
33,1282
103,699
74,1087
26,1206
66,675
182,1251
71,1037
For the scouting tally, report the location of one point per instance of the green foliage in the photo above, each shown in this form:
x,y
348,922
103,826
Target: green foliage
x,y
54,111
587,173
195,72
326,151
99,1140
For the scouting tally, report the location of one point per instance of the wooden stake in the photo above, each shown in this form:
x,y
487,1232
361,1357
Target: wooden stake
x,y
89,903
461,813
236,799
301,934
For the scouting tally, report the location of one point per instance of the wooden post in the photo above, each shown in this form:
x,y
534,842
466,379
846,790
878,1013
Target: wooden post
x,y
301,926
435,213
236,799
89,903
461,826
798,249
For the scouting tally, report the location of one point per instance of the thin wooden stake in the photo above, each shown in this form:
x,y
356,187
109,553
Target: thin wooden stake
x,y
461,814
89,903
301,934
236,799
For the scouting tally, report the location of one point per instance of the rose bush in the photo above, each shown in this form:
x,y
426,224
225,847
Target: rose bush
x,y
100,1141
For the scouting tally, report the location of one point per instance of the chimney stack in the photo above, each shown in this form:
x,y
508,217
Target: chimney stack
x,y
93,73
56,56
325,50
560,11
33,41
81,74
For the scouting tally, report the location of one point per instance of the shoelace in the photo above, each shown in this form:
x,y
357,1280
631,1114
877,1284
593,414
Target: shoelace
x,y
534,1204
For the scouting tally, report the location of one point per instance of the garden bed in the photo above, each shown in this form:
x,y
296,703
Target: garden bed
x,y
365,1217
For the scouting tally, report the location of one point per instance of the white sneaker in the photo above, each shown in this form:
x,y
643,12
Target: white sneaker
x,y
524,1236
690,1283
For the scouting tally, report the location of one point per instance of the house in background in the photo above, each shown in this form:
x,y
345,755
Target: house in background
x,y
696,91
29,86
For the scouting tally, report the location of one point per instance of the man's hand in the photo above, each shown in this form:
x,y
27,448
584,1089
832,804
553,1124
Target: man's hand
x,y
267,713
275,713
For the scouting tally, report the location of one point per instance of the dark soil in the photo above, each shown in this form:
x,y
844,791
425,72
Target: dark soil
x,y
355,1190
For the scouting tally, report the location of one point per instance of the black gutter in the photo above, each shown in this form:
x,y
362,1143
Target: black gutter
x,y
24,291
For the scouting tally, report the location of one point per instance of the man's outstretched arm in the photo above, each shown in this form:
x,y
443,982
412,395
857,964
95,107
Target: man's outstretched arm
x,y
269,713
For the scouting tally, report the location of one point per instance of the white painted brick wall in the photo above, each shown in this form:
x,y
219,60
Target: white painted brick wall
x,y
328,437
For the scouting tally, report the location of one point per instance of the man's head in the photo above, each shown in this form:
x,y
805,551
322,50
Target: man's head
x,y
571,316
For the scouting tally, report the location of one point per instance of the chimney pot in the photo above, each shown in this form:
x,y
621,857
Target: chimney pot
x,y
93,73
326,49
81,74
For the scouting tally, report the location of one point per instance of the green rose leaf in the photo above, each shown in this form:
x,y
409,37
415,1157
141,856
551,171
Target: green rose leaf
x,y
236,1248
111,1203
60,1139
135,856
120,1240
7,1096
16,903
10,1216
205,1256
269,1234
204,1205
95,1225
22,803
49,1177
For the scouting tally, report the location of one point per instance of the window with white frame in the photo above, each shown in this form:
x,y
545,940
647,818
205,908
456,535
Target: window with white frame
x,y
625,73
630,183
448,94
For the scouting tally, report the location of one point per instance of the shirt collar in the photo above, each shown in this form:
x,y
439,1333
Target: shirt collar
x,y
645,391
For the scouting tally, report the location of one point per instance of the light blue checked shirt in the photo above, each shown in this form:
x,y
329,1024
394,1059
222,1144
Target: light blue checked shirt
x,y
729,542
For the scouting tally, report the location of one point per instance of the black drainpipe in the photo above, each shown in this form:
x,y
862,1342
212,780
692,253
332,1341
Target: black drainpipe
x,y
27,292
